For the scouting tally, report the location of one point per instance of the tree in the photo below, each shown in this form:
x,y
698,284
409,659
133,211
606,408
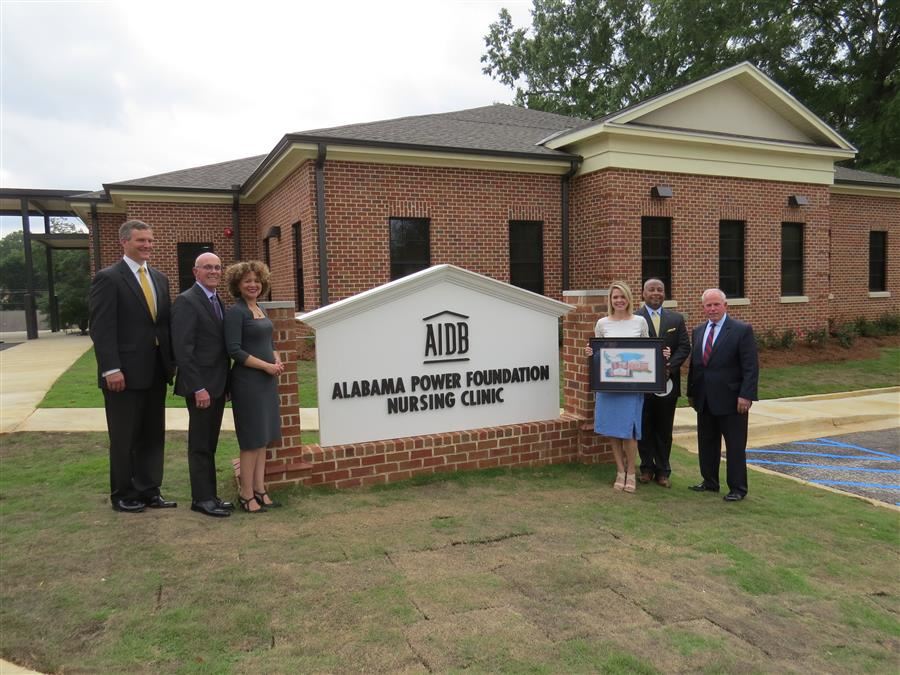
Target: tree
x,y
589,58
12,271
71,270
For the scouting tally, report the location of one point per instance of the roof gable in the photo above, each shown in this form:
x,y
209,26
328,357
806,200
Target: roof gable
x,y
740,102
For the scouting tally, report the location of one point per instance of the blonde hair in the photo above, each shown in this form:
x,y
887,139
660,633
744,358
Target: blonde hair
x,y
235,274
626,291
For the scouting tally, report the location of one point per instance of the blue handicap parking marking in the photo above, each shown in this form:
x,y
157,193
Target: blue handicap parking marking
x,y
841,463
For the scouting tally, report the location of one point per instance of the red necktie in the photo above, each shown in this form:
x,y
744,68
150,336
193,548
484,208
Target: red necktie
x,y
707,348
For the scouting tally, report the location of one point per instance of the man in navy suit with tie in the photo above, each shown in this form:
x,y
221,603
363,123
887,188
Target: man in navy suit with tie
x,y
129,307
722,385
655,445
198,340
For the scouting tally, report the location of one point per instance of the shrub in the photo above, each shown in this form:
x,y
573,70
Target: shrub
x,y
767,340
817,339
788,338
867,328
845,334
889,323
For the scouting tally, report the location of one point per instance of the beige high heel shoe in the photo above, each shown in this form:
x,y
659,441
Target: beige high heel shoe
x,y
620,481
630,483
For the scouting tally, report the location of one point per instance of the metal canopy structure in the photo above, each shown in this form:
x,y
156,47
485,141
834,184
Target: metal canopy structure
x,y
47,203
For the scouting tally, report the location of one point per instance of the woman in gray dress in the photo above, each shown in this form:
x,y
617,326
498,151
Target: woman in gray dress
x,y
254,379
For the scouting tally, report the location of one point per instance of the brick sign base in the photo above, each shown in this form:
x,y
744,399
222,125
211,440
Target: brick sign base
x,y
567,439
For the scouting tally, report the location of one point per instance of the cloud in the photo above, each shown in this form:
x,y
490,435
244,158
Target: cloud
x,y
100,92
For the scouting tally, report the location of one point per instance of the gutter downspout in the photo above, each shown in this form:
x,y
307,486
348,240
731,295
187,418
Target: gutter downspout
x,y
95,230
320,216
564,214
236,220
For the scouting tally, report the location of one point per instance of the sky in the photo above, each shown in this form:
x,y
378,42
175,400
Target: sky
x,y
95,92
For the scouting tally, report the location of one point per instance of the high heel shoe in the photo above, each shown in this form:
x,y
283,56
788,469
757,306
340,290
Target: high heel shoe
x,y
630,483
245,505
261,498
620,481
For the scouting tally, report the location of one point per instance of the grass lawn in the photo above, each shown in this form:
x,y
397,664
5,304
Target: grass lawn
x,y
532,570
77,388
825,378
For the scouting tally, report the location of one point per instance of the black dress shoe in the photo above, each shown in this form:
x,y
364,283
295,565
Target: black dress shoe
x,y
224,505
733,497
210,507
703,487
127,505
157,502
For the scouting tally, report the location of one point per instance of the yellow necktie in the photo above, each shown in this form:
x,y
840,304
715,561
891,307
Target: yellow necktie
x,y
655,319
148,294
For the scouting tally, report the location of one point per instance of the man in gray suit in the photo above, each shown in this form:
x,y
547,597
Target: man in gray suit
x,y
199,344
129,308
655,446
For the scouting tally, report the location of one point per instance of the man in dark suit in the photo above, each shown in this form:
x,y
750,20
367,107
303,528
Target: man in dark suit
x,y
722,384
655,445
129,309
198,341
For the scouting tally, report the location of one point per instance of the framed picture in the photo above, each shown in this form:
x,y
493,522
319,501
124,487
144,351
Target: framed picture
x,y
628,364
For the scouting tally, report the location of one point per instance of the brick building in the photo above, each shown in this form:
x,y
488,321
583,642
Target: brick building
x,y
727,182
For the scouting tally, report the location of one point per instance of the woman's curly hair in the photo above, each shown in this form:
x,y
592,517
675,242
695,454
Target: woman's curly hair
x,y
235,274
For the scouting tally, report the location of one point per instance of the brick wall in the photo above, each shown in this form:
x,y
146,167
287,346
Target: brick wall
x,y
607,207
293,201
570,438
175,223
469,212
852,218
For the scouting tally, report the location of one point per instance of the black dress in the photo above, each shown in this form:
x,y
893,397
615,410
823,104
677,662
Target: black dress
x,y
254,393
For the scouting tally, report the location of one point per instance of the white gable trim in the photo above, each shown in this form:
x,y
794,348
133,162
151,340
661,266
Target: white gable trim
x,y
414,283
759,83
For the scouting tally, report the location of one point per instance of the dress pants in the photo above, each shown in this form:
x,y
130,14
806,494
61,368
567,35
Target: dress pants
x,y
203,438
655,445
136,420
711,429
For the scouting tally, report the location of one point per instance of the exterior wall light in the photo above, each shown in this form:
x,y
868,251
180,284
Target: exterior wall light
x,y
798,200
661,191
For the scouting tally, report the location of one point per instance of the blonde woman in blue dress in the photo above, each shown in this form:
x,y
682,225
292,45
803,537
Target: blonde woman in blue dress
x,y
617,415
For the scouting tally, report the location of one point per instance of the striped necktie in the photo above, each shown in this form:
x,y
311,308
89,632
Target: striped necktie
x,y
148,293
707,348
654,318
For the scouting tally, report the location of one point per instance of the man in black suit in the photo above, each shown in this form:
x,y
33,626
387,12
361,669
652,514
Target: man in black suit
x,y
198,340
722,384
655,445
129,308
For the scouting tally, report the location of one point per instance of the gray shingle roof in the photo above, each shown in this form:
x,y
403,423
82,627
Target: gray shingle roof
x,y
219,176
497,128
843,174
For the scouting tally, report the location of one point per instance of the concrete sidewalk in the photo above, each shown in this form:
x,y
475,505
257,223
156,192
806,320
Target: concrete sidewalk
x,y
29,369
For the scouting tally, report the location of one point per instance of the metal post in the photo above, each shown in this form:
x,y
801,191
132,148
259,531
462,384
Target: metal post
x,y
236,220
31,325
95,231
51,293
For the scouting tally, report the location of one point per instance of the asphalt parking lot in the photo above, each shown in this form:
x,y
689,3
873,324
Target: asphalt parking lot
x,y
865,463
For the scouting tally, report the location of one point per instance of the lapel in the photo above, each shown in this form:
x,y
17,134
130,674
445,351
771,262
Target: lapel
x,y
132,283
208,311
646,314
722,338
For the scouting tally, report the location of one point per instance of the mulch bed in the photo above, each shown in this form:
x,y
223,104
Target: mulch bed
x,y
801,353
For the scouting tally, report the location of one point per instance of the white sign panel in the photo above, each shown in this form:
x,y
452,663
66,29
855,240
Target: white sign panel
x,y
440,350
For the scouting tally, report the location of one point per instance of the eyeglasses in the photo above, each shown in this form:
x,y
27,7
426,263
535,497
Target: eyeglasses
x,y
211,268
